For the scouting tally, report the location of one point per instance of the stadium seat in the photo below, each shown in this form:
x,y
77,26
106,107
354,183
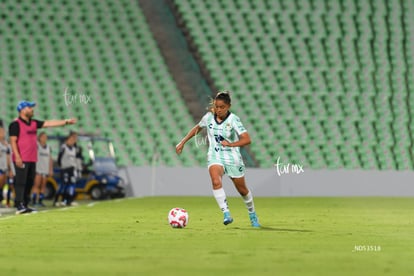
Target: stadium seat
x,y
331,71
104,50
333,79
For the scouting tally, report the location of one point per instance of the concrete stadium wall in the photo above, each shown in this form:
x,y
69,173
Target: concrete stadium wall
x,y
161,181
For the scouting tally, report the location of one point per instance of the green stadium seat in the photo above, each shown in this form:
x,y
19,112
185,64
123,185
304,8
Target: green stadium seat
x,y
79,56
323,69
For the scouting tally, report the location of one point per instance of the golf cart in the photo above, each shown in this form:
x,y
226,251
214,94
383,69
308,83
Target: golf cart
x,y
99,176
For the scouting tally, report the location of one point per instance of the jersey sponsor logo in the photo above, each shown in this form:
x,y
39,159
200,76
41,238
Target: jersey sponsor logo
x,y
218,138
217,149
217,127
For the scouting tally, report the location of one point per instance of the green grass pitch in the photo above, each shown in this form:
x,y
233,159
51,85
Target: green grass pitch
x,y
300,236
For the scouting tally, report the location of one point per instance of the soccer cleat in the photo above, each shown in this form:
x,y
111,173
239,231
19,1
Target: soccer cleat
x,y
31,210
21,209
227,218
254,220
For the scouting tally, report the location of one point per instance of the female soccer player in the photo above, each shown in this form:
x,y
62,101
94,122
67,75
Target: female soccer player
x,y
44,169
5,162
226,134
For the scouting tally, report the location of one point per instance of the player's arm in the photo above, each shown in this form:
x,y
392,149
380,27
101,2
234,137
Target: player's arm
x,y
58,123
59,159
15,149
180,146
244,140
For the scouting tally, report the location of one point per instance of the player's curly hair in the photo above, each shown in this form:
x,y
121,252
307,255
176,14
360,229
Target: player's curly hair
x,y
222,95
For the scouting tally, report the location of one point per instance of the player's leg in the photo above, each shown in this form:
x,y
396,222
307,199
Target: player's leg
x,y
66,182
31,174
70,194
239,181
19,188
216,172
67,187
42,189
70,191
10,190
2,182
35,189
64,176
58,194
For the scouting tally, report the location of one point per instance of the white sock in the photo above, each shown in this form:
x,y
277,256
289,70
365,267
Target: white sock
x,y
248,200
220,196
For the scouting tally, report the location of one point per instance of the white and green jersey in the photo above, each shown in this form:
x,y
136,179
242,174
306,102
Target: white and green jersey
x,y
229,129
43,159
4,151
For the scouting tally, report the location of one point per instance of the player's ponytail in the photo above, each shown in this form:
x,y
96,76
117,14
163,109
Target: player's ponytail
x,y
210,106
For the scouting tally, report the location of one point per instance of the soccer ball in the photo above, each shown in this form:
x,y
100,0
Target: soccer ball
x,y
178,218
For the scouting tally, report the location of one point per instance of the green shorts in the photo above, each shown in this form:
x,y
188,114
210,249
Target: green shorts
x,y
231,170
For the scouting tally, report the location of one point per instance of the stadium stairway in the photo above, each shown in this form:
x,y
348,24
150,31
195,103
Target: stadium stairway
x,y
104,50
182,62
174,49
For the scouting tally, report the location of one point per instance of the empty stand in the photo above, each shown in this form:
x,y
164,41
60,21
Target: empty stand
x,y
324,83
103,50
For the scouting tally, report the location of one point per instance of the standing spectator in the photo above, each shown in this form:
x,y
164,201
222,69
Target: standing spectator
x,y
23,134
10,184
5,169
44,169
67,160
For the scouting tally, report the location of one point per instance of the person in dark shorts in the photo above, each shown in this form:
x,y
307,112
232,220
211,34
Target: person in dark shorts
x,y
68,163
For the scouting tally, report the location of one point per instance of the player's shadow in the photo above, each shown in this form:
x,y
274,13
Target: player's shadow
x,y
268,228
